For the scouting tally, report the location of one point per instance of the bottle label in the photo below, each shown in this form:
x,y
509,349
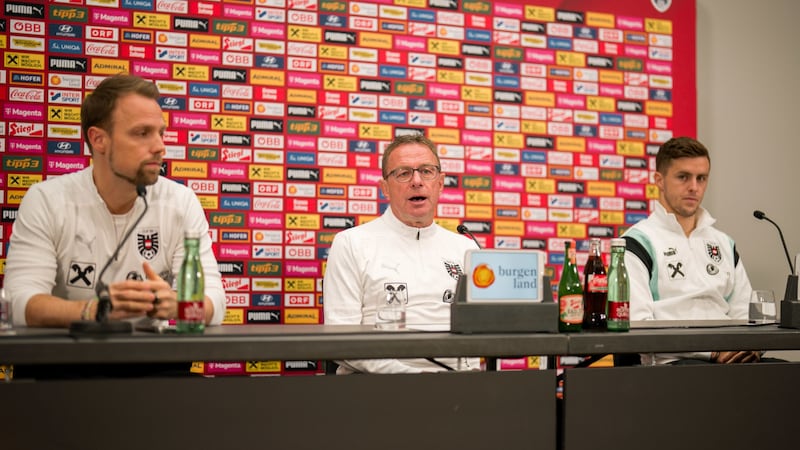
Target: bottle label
x,y
619,311
597,283
191,312
571,309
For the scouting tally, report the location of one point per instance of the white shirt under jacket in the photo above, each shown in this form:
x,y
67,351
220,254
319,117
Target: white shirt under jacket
x,y
385,253
64,234
694,277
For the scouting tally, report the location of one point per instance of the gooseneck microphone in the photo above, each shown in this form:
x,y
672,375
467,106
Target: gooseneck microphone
x,y
791,282
101,324
464,230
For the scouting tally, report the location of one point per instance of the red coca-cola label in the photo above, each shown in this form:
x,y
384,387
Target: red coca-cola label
x,y
191,312
619,310
597,283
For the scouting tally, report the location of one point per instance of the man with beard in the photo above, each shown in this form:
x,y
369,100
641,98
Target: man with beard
x,y
68,227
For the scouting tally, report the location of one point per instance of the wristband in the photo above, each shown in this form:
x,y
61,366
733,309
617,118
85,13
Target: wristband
x,y
86,312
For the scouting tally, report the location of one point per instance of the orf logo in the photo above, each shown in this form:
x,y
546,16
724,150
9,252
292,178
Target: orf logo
x,y
147,243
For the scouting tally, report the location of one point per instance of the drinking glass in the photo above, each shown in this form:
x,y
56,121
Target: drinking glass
x,y
763,308
390,313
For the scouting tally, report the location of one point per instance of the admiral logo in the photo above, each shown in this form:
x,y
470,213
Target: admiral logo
x,y
629,106
25,10
475,50
67,64
271,316
267,125
189,23
302,111
302,174
375,86
231,268
338,222
530,27
231,75
340,37
27,78
600,232
450,63
64,30
444,4
569,16
600,61
236,139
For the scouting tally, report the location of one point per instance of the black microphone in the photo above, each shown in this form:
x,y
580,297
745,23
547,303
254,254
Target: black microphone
x,y
101,324
464,230
791,282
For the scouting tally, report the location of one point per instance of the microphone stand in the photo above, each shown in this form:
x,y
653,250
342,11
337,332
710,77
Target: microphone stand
x,y
102,325
790,306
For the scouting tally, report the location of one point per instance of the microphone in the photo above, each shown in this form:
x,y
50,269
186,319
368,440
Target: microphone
x,y
464,230
101,324
791,282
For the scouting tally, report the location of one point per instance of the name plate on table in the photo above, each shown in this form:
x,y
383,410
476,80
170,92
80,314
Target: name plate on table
x,y
504,291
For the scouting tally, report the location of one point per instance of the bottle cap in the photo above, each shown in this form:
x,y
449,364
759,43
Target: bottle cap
x,y
192,234
618,242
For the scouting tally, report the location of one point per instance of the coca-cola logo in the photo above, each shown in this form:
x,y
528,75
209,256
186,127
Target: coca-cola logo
x,y
172,6
101,49
26,95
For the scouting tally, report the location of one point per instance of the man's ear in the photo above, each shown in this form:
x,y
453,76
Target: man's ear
x,y
384,185
97,138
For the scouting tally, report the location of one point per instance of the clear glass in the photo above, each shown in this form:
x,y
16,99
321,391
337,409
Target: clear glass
x,y
6,314
191,288
763,308
390,312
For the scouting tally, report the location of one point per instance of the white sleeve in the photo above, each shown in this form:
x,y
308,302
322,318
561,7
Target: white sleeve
x,y
740,297
642,307
31,263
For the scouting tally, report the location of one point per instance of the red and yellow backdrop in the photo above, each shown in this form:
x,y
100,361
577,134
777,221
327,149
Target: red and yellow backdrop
x,y
546,114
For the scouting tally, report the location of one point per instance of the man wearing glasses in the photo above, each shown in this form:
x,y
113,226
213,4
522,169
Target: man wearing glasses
x,y
403,253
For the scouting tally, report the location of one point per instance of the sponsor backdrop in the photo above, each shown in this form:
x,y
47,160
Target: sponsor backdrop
x,y
547,115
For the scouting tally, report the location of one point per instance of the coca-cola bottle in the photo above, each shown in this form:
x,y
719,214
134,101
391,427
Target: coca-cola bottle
x,y
595,289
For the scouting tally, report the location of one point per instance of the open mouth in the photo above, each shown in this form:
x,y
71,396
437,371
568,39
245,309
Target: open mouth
x,y
418,198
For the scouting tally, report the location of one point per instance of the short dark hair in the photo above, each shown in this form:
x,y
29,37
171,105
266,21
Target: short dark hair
x,y
679,147
98,106
405,139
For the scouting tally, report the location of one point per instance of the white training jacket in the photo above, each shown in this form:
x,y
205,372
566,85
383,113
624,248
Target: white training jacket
x,y
420,264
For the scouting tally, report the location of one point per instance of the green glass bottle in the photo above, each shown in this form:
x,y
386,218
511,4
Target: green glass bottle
x,y
191,287
570,293
618,304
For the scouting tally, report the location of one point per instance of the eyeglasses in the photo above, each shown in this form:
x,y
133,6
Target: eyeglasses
x,y
427,172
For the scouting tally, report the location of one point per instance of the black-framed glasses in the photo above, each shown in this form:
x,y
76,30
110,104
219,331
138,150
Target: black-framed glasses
x,y
427,172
